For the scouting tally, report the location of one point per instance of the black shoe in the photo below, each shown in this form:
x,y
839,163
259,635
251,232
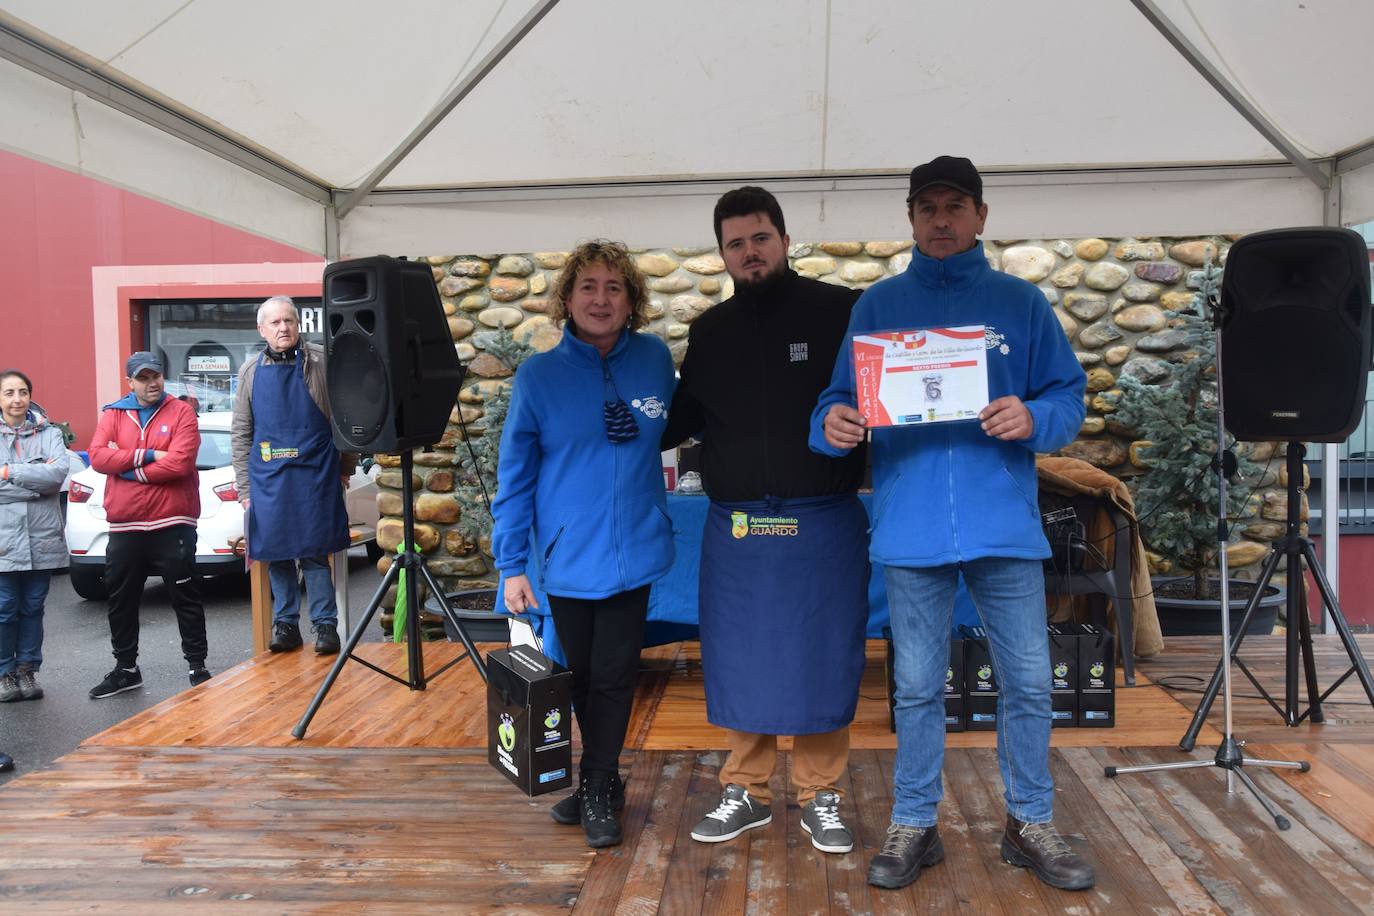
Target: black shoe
x,y
199,675
906,850
117,681
286,637
6,763
326,639
1040,848
569,811
599,820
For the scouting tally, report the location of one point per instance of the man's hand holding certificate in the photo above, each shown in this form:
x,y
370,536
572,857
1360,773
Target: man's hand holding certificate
x,y
899,373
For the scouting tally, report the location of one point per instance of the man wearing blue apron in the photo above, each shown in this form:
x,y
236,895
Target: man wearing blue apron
x,y
290,477
784,568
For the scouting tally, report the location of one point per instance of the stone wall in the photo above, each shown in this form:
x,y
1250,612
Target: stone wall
x,y
1110,296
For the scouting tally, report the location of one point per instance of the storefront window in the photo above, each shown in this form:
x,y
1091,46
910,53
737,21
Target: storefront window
x,y
203,343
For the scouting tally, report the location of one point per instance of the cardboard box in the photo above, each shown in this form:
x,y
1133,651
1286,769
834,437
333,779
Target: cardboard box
x,y
1063,676
529,719
1096,677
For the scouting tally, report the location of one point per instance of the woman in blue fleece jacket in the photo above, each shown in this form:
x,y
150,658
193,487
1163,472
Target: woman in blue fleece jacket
x,y
581,480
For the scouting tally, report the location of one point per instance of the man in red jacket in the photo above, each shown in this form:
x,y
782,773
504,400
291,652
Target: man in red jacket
x,y
146,445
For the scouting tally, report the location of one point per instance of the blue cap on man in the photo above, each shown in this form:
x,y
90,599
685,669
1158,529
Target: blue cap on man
x,y
141,360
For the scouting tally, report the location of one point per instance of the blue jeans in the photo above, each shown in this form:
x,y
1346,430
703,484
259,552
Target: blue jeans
x,y
21,618
319,589
1010,597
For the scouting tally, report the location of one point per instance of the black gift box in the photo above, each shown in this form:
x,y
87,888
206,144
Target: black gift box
x,y
980,681
529,719
1064,675
1096,677
955,717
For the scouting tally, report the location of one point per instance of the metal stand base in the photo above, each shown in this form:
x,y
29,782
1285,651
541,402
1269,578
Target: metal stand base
x,y
414,565
1297,550
1229,756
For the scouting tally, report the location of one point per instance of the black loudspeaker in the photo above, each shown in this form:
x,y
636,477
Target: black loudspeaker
x,y
392,369
1296,334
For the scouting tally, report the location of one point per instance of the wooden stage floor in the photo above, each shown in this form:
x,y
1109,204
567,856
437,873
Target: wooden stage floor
x,y
389,805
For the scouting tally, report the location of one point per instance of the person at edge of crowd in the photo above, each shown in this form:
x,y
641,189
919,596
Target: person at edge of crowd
x,y
290,477
580,469
146,444
33,464
784,569
972,486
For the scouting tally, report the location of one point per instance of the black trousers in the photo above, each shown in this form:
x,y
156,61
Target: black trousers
x,y
601,639
130,558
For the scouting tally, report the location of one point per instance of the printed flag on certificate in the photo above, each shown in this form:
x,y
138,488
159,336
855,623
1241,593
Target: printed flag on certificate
x,y
927,375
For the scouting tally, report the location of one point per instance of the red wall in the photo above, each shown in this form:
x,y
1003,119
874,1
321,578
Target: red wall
x,y
54,227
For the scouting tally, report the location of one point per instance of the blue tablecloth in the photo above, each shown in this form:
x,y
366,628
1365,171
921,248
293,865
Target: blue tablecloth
x,y
673,599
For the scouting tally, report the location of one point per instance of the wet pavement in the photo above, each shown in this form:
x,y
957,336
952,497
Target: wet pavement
x,y
76,657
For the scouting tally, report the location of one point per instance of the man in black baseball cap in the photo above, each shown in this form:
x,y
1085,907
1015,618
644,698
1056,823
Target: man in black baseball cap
x,y
951,172
971,484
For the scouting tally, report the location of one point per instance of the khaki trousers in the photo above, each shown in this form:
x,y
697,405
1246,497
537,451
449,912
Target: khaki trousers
x,y
818,762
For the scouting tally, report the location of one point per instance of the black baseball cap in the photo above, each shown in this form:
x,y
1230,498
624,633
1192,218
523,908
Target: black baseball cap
x,y
141,360
952,171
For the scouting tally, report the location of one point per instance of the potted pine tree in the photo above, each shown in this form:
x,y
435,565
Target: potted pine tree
x,y
1176,498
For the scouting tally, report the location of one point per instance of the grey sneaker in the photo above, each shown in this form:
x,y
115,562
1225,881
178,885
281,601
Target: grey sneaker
x,y
9,688
28,684
821,819
735,813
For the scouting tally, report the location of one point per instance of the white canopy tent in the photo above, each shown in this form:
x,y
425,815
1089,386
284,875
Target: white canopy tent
x,y
626,117
348,127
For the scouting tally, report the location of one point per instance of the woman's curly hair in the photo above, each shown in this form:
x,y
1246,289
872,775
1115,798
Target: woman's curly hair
x,y
616,258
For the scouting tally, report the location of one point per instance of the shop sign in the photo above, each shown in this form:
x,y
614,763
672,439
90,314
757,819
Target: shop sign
x,y
312,320
207,364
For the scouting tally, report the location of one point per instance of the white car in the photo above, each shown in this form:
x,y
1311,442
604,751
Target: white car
x,y
221,516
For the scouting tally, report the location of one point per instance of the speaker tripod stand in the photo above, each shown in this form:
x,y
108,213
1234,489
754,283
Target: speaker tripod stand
x,y
413,563
1229,756
1295,549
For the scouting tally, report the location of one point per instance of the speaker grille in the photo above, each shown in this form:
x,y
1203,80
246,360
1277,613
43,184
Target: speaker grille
x,y
361,401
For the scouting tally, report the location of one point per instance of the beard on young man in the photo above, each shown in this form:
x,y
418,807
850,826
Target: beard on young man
x,y
764,284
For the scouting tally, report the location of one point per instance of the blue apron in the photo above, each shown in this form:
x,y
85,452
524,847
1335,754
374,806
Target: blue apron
x,y
295,506
783,606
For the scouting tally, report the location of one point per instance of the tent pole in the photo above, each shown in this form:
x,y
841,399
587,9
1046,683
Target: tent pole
x,y
449,102
37,57
331,233
1228,91
1331,456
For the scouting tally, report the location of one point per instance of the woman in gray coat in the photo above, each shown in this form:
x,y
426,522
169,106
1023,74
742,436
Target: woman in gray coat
x,y
33,464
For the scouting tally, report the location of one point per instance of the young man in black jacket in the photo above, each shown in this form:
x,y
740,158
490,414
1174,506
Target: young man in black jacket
x,y
784,565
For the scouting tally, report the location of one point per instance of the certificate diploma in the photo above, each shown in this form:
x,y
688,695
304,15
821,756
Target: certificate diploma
x,y
932,375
